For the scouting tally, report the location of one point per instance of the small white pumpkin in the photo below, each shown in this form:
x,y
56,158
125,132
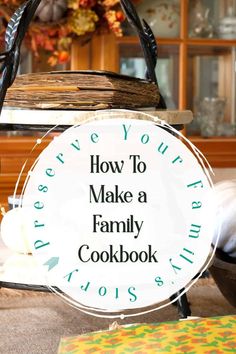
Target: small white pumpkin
x,y
225,193
21,268
51,10
14,230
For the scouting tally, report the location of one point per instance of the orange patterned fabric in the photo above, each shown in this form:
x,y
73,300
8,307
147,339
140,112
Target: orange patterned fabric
x,y
216,335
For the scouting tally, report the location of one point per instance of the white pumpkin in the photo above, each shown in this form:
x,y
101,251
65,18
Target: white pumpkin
x,y
225,192
14,230
51,10
21,268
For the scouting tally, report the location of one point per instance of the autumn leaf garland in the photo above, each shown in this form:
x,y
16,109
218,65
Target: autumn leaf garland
x,y
74,19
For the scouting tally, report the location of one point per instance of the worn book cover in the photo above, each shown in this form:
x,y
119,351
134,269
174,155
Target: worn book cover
x,y
81,90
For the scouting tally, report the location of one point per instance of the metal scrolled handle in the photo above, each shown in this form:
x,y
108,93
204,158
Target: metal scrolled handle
x,y
147,42
15,33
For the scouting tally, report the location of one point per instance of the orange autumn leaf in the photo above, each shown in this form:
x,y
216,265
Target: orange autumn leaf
x,y
82,17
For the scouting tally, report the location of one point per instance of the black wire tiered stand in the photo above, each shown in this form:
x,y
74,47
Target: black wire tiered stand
x,y
10,58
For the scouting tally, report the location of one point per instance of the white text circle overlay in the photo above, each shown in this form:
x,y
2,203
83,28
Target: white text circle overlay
x,y
121,214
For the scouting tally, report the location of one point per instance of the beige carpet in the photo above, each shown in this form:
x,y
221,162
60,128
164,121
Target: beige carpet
x,y
32,323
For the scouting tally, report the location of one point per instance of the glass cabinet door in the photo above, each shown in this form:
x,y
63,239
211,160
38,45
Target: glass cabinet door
x,y
212,19
163,16
132,63
211,93
29,63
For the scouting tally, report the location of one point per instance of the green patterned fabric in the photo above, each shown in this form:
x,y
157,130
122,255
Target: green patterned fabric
x,y
215,335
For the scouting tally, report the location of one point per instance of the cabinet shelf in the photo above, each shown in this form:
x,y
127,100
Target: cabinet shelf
x,y
135,40
219,152
216,42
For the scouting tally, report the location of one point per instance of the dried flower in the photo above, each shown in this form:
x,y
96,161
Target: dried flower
x,y
82,17
112,18
82,21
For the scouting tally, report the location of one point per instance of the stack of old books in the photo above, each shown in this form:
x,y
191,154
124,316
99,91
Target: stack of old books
x,y
81,90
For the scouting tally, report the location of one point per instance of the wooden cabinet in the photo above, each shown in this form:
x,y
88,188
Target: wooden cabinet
x,y
15,151
189,69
